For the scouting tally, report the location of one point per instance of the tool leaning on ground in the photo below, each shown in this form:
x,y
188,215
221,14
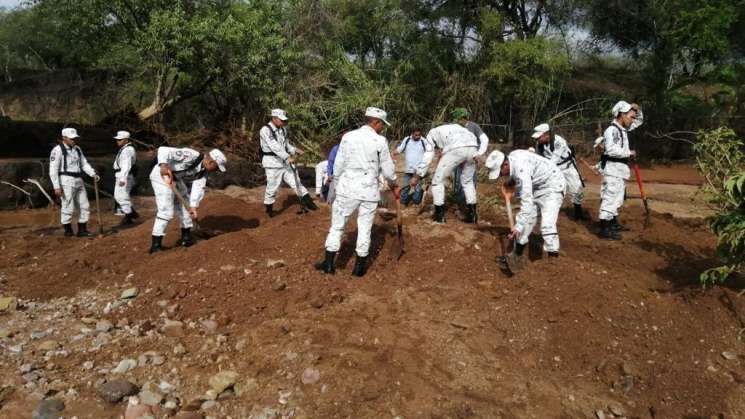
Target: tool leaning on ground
x,y
510,261
181,199
293,168
640,182
98,209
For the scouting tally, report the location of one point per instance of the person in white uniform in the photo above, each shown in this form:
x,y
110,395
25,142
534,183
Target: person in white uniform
x,y
540,185
614,166
66,167
459,147
184,170
555,148
278,162
363,154
125,170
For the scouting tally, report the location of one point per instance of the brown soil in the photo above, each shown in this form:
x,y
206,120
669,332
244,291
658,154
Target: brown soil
x,y
442,333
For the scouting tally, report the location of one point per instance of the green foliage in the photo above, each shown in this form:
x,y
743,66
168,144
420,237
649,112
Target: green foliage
x,y
720,157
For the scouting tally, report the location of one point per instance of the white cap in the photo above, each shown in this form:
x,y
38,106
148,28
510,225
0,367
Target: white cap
x,y
71,133
494,163
279,113
621,107
219,158
122,135
540,130
378,114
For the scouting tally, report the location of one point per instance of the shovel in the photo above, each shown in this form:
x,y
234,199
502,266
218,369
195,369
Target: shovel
x,y
302,209
98,210
510,261
398,247
647,213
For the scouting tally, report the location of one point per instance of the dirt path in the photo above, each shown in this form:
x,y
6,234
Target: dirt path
x,y
613,327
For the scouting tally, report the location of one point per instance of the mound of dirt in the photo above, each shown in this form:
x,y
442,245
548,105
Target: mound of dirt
x,y
610,328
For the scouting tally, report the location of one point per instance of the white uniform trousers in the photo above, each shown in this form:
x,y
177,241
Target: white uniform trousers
x,y
321,169
611,196
445,168
548,205
73,195
167,203
341,210
121,194
274,178
574,185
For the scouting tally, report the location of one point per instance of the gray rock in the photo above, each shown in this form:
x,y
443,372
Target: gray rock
x,y
88,365
279,285
38,334
209,404
729,356
150,395
114,391
129,293
617,410
223,380
166,387
5,333
26,368
275,263
104,326
48,409
311,376
600,414
246,387
49,345
173,328
179,349
209,325
124,366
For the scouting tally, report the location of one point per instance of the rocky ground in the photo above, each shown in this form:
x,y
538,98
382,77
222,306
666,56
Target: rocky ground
x,y
241,326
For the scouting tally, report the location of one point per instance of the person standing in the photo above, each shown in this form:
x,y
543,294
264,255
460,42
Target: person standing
x,y
459,147
321,177
540,185
463,117
614,166
279,163
125,170
66,167
555,148
363,154
413,148
185,171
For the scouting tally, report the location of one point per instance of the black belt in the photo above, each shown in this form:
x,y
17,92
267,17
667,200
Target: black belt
x,y
268,153
566,160
72,174
605,159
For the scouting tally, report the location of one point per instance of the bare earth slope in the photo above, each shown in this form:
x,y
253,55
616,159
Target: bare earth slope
x,y
617,327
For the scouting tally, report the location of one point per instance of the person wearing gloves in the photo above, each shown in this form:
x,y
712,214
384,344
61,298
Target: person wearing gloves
x,y
413,148
66,167
540,185
363,154
614,166
125,170
463,117
555,148
459,146
184,170
277,159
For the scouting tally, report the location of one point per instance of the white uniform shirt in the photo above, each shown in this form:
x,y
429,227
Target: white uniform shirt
x,y
413,153
274,140
73,161
535,176
616,142
182,163
561,152
124,161
446,137
483,139
363,155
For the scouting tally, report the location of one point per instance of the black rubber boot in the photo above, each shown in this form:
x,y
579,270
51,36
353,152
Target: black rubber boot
x,y
127,220
616,226
186,239
308,203
471,214
553,254
578,214
68,230
83,230
134,214
439,214
156,244
269,210
327,264
360,266
519,248
607,233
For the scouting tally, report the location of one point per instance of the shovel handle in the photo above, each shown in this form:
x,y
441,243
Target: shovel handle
x,y
639,182
98,207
